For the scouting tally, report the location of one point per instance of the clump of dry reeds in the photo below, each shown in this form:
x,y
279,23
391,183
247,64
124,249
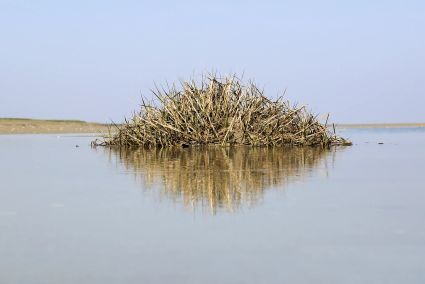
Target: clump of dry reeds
x,y
221,112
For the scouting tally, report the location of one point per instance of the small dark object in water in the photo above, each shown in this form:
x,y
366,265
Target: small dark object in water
x,y
76,146
380,143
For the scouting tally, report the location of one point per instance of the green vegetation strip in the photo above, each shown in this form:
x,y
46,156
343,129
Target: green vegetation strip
x,y
42,120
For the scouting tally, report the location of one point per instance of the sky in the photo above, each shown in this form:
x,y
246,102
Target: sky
x,y
361,61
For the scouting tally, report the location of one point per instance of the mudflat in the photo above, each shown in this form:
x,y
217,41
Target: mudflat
x,y
39,126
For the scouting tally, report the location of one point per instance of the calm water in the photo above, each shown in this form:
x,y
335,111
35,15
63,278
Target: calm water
x,y
81,215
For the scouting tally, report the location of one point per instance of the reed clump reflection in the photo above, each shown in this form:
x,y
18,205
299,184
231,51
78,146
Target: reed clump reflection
x,y
216,177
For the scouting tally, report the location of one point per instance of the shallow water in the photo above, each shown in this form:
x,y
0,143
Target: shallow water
x,y
81,215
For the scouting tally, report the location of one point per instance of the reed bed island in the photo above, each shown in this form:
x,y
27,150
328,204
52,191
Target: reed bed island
x,y
219,111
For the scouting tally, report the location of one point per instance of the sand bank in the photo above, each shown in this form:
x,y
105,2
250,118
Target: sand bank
x,y
36,126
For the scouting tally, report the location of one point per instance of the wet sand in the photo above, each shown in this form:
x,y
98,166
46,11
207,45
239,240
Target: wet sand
x,y
36,126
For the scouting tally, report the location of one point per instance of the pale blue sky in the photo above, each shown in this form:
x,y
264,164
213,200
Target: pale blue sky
x,y
362,61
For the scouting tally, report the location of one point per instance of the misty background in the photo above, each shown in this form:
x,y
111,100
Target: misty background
x,y
362,61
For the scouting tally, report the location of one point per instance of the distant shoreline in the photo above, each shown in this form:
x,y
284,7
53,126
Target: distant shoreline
x,y
55,126
49,126
379,125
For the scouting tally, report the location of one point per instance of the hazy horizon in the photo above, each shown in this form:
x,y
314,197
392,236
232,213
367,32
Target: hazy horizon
x,y
360,61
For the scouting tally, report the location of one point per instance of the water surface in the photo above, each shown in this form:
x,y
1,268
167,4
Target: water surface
x,y
80,215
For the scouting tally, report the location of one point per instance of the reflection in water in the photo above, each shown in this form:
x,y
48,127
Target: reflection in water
x,y
214,177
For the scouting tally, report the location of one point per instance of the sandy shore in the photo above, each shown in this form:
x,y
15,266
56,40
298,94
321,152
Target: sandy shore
x,y
35,126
